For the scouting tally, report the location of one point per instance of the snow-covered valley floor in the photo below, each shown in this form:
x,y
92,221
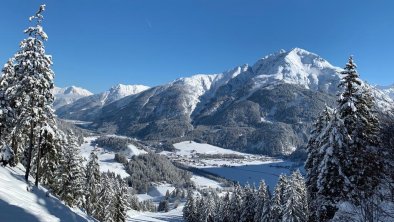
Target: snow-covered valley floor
x,y
36,206
233,165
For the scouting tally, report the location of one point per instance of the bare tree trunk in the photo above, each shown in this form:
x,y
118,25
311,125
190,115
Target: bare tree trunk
x,y
38,161
30,151
14,146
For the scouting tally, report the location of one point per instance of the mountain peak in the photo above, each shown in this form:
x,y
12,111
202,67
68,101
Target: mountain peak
x,y
77,90
299,51
296,66
67,95
120,90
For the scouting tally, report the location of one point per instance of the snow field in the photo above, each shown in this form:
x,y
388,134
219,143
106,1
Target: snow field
x,y
19,205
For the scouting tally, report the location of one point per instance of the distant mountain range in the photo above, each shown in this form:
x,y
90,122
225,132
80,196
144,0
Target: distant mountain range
x,y
387,90
86,107
67,95
265,108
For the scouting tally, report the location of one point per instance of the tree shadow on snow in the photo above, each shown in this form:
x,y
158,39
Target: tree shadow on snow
x,y
14,213
56,208
53,205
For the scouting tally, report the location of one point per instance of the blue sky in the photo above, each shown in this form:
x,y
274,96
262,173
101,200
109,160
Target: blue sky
x,y
96,44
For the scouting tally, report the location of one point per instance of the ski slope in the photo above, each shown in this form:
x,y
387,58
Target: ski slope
x,y
19,205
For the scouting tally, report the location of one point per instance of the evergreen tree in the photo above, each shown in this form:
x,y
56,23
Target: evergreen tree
x,y
70,174
200,203
224,212
208,213
296,206
92,185
262,203
52,151
331,180
314,158
236,203
35,82
164,206
7,115
248,204
364,164
105,209
279,199
121,206
348,165
190,208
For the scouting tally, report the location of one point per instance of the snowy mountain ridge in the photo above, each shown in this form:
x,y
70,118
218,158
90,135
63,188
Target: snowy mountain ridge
x,y
67,95
119,91
203,85
266,108
387,90
89,106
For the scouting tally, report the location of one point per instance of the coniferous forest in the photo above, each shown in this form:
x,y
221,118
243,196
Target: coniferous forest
x,y
346,171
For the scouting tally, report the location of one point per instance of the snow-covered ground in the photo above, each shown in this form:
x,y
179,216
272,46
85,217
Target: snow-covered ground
x,y
19,205
134,151
244,168
156,193
203,182
174,215
105,157
76,122
188,148
189,153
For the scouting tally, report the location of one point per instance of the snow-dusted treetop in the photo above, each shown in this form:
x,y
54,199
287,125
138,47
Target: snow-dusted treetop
x,y
37,31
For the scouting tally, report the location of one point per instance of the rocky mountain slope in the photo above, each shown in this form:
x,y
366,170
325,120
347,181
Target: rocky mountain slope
x,y
265,108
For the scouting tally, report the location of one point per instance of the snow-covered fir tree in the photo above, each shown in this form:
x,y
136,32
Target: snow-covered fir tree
x,y
279,199
236,203
105,210
364,165
52,158
35,82
164,206
331,179
8,116
190,208
200,203
248,204
262,203
296,206
344,161
120,203
92,185
314,158
224,212
208,210
71,174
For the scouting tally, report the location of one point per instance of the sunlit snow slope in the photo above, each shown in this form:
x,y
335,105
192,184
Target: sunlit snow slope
x,y
19,205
